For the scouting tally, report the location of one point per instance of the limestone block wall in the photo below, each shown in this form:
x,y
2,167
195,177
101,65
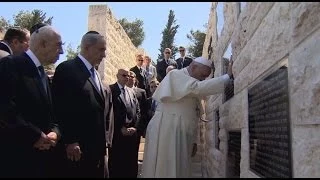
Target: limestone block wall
x,y
120,51
261,36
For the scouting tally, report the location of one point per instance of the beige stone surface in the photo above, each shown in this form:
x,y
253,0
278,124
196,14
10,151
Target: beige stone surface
x,y
305,18
120,51
306,151
304,84
271,45
211,31
262,36
248,22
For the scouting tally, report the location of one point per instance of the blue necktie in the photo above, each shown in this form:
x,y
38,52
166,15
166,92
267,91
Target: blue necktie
x,y
43,78
153,106
94,77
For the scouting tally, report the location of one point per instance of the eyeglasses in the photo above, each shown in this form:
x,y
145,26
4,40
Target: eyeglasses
x,y
167,52
153,86
125,75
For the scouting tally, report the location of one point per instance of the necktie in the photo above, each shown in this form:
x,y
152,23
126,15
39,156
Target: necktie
x,y
153,106
182,62
127,103
140,70
95,78
43,77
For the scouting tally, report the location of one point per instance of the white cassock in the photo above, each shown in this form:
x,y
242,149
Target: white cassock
x,y
172,130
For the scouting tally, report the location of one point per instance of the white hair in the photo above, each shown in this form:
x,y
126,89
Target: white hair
x,y
43,33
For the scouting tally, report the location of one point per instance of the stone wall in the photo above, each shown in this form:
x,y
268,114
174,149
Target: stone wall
x,y
262,36
120,51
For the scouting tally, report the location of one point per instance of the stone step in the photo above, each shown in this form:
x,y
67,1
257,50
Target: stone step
x,y
140,156
141,147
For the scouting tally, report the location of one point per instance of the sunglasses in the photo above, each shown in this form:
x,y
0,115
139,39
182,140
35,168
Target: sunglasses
x,y
140,60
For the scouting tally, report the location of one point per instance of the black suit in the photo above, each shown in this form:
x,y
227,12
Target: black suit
x,y
143,106
162,66
5,48
123,159
182,64
80,108
141,77
25,112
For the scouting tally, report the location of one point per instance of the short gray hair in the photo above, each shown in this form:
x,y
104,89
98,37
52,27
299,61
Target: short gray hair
x,y
90,39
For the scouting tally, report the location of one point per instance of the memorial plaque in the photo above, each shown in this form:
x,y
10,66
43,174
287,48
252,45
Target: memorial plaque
x,y
234,156
269,126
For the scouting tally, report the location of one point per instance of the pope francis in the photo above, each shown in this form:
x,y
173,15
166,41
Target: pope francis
x,y
171,133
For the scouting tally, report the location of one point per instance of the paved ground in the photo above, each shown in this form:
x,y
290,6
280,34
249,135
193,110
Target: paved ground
x,y
196,169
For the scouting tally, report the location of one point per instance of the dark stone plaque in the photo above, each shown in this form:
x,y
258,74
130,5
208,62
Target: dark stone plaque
x,y
234,154
217,129
269,126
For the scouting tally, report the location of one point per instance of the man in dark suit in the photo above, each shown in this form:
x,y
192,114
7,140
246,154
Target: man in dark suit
x,y
143,106
183,61
28,128
164,63
15,42
123,154
79,100
141,74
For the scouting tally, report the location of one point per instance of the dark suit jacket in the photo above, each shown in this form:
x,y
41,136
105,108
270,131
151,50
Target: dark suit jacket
x,y
143,106
142,79
4,48
161,68
25,112
186,62
80,108
119,110
123,153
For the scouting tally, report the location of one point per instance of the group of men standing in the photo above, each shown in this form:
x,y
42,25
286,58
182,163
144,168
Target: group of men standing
x,y
77,126
63,127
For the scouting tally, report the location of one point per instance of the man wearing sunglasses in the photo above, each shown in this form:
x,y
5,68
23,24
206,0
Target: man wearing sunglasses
x,y
15,42
164,63
141,74
183,61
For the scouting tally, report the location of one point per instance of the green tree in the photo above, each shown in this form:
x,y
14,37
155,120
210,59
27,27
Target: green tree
x,y
134,30
197,40
168,35
27,19
4,24
71,53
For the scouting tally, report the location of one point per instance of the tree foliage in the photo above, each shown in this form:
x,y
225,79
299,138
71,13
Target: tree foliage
x,y
71,53
134,30
4,24
197,40
27,19
168,35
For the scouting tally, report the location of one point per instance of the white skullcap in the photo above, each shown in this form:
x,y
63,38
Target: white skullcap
x,y
203,61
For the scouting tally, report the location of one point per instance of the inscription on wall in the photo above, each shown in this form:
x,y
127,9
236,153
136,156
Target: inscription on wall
x,y
234,157
269,126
